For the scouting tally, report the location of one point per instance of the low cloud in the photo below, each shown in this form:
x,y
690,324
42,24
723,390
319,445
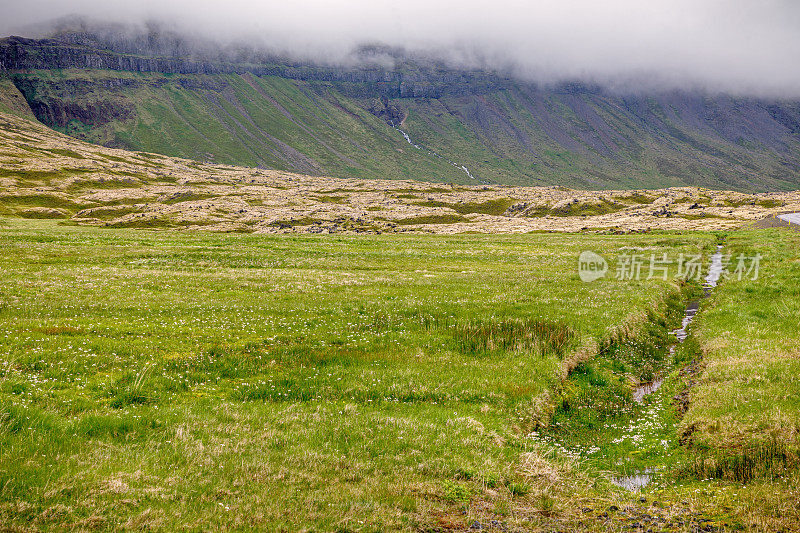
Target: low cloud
x,y
737,46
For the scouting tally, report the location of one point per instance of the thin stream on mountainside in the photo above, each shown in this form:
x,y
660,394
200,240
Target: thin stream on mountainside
x,y
435,154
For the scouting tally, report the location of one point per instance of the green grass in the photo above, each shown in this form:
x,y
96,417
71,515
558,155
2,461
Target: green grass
x,y
31,175
330,199
104,184
596,418
157,223
719,436
490,207
37,200
11,101
577,208
301,221
63,152
113,211
161,380
746,407
770,203
189,196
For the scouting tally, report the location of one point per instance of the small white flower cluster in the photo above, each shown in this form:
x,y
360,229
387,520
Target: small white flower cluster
x,y
647,427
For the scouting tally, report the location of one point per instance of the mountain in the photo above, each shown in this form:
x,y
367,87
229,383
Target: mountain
x,y
392,115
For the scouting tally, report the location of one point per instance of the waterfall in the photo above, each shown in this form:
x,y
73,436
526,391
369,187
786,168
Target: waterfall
x,y
463,168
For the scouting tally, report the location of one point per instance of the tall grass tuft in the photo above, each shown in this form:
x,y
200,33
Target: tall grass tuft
x,y
768,459
131,389
526,335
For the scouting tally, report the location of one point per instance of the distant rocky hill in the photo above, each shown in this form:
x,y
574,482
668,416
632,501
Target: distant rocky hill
x,y
45,174
394,116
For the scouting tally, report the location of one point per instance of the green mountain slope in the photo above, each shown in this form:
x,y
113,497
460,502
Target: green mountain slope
x,y
344,123
12,101
244,120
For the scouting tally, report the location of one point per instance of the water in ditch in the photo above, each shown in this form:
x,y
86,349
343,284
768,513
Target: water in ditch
x,y
637,440
639,479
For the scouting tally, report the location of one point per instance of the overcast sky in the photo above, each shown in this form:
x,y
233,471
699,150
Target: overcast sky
x,y
741,46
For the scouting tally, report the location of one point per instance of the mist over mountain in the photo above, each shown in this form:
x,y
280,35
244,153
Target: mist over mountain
x,y
731,46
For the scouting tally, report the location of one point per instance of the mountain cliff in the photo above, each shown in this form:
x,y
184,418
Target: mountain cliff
x,y
393,116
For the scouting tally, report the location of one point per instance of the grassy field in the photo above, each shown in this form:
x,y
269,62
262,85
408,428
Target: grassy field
x,y
741,428
163,380
227,380
748,400
720,437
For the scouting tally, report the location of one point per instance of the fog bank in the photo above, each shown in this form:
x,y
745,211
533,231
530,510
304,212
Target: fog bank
x,y
735,46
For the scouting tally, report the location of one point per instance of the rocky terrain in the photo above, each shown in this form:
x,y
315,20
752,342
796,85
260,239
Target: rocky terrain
x,y
392,116
44,174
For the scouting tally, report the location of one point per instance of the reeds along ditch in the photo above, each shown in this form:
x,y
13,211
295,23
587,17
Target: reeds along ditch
x,y
767,460
529,335
532,336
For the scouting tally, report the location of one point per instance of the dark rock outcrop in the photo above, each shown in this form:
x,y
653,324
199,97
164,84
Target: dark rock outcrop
x,y
405,80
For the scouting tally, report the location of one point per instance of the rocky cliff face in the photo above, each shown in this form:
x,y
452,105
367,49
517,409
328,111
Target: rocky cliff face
x,y
406,80
462,126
